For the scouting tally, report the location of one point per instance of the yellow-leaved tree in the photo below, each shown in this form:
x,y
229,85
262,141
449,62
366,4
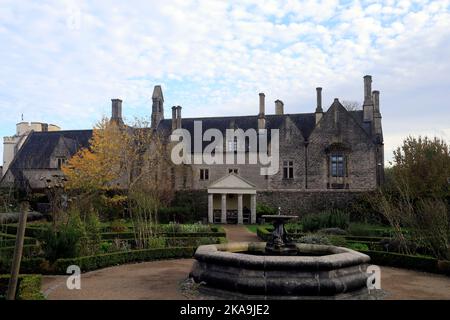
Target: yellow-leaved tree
x,y
98,166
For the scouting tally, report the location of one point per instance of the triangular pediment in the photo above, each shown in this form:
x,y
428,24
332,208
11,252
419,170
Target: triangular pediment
x,y
232,181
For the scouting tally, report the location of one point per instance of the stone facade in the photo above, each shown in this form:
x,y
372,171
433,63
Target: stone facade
x,y
325,157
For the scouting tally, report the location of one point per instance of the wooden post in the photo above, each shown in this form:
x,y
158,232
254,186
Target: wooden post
x,y
15,268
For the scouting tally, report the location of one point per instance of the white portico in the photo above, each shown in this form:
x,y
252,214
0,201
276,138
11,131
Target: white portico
x,y
232,199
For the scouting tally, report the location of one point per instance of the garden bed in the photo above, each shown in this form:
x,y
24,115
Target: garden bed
x,y
28,287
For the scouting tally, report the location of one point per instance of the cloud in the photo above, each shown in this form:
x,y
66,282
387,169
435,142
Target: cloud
x,y
62,61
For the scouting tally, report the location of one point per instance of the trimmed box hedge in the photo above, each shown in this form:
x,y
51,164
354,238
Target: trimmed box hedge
x,y
29,250
32,265
391,259
111,259
28,287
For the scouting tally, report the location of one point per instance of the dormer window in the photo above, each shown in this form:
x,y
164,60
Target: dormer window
x,y
60,161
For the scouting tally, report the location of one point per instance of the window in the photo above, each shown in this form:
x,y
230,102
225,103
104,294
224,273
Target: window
x,y
233,170
61,161
233,145
288,169
337,165
204,174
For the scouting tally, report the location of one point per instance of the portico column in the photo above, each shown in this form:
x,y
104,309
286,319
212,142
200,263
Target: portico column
x,y
253,209
210,208
240,215
224,209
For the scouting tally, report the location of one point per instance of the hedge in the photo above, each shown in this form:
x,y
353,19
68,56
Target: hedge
x,y
421,263
263,233
9,240
30,231
32,265
28,287
27,251
89,263
130,235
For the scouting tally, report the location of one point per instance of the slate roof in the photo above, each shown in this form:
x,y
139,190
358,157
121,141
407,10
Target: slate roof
x,y
304,121
39,146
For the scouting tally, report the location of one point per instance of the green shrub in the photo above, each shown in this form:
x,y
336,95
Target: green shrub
x,y
28,287
325,219
358,246
118,225
64,242
156,242
178,214
337,240
262,209
263,233
27,265
369,230
314,239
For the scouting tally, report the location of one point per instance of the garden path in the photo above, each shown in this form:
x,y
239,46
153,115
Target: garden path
x,y
238,233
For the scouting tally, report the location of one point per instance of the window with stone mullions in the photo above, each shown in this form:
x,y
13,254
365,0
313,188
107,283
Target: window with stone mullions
x,y
204,174
288,169
337,165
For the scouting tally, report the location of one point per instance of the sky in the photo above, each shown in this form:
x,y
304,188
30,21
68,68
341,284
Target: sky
x,y
62,62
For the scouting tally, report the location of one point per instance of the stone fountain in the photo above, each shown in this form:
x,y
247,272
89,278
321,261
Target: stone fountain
x,y
280,244
280,268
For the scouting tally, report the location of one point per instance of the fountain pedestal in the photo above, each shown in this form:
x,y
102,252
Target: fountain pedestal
x,y
280,244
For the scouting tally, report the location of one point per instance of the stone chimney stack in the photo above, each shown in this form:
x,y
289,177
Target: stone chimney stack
x,y
116,111
319,110
178,117
279,107
174,118
368,103
261,115
376,113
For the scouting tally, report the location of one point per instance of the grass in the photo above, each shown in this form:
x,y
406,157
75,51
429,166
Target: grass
x,y
252,227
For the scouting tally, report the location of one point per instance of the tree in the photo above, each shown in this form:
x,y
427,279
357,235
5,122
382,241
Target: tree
x,y
415,196
99,165
423,166
351,105
130,159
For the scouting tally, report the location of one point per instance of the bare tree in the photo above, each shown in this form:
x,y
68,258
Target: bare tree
x,y
351,105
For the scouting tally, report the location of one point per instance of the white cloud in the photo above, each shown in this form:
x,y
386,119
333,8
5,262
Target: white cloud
x,y
62,62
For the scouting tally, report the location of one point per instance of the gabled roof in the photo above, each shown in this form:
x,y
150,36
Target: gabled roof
x,y
39,147
231,181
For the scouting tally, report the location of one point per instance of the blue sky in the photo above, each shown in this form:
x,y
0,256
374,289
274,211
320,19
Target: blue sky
x,y
62,61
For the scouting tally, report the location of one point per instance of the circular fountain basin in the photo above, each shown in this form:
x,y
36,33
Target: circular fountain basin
x,y
243,270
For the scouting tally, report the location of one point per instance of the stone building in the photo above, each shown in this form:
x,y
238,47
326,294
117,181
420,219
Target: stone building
x,y
326,157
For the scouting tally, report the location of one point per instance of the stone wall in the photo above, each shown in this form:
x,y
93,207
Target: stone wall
x,y
303,202
295,202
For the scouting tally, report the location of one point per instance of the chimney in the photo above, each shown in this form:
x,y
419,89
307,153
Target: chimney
x,y
279,107
261,115
368,103
116,111
319,110
376,101
178,117
174,118
377,130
